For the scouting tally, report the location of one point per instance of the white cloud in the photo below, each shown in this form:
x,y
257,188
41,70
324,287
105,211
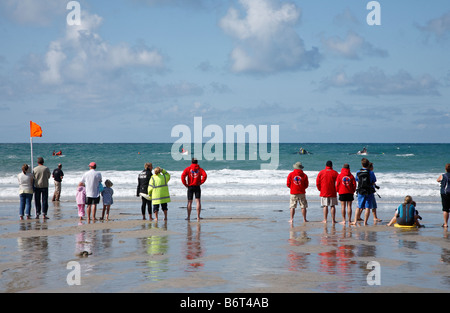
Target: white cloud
x,y
375,82
182,3
352,47
346,18
33,12
440,26
266,40
53,59
82,54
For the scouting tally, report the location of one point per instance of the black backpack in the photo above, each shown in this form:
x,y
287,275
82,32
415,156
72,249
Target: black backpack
x,y
365,186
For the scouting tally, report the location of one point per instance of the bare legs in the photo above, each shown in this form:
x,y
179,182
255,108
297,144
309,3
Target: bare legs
x,y
189,209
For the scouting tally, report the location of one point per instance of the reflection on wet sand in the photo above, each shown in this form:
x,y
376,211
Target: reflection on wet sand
x,y
225,254
335,255
193,248
156,247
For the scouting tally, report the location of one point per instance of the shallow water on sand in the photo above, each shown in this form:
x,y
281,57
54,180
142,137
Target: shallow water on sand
x,y
237,247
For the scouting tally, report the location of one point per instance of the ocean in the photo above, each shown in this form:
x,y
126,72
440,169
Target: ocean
x,y
401,169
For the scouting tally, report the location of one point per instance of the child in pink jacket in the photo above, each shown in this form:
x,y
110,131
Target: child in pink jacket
x,y
81,199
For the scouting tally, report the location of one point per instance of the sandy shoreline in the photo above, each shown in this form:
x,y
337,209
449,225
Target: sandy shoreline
x,y
239,246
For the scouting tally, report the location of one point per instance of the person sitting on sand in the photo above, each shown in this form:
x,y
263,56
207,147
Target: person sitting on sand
x,y
406,214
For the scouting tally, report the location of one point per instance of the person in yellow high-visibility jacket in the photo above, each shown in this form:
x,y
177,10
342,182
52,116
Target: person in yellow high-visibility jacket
x,y
158,191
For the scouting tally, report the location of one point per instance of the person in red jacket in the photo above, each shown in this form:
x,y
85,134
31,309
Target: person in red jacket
x,y
346,187
326,184
192,177
297,181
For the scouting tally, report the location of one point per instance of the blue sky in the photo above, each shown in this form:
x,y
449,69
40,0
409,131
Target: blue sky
x,y
134,69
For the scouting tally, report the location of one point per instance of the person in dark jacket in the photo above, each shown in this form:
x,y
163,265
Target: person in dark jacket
x,y
142,188
58,175
444,179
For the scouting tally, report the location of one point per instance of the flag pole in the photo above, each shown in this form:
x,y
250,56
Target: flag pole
x,y
35,131
31,144
32,172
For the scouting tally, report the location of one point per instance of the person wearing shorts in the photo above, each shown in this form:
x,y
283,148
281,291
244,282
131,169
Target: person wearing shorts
x,y
346,186
158,191
194,190
366,198
92,179
193,177
297,182
444,179
164,208
326,184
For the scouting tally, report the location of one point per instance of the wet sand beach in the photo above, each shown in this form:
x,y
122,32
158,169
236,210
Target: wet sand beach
x,y
238,247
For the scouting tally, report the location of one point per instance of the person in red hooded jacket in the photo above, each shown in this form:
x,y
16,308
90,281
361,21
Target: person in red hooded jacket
x,y
326,184
192,177
346,187
297,182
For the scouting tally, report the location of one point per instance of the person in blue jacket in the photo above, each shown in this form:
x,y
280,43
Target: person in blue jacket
x,y
406,214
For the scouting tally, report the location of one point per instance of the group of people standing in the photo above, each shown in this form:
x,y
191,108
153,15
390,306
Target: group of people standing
x,y
88,194
36,183
330,183
154,190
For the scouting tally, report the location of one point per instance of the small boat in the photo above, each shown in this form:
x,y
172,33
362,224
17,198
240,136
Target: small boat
x,y
303,151
363,152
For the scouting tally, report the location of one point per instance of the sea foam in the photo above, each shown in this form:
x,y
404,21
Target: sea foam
x,y
228,183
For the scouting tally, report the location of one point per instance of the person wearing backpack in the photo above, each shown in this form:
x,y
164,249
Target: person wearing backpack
x,y
444,179
365,180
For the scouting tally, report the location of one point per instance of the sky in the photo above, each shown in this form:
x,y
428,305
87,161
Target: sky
x,y
133,70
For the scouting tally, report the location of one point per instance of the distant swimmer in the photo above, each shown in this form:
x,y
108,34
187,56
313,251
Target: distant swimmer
x,y
184,152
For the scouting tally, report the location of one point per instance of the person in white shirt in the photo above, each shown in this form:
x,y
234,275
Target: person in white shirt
x,y
92,179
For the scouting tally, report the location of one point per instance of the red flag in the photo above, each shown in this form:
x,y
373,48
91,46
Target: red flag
x,y
35,130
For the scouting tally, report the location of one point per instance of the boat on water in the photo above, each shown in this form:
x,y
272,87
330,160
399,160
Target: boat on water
x,y
363,151
303,151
